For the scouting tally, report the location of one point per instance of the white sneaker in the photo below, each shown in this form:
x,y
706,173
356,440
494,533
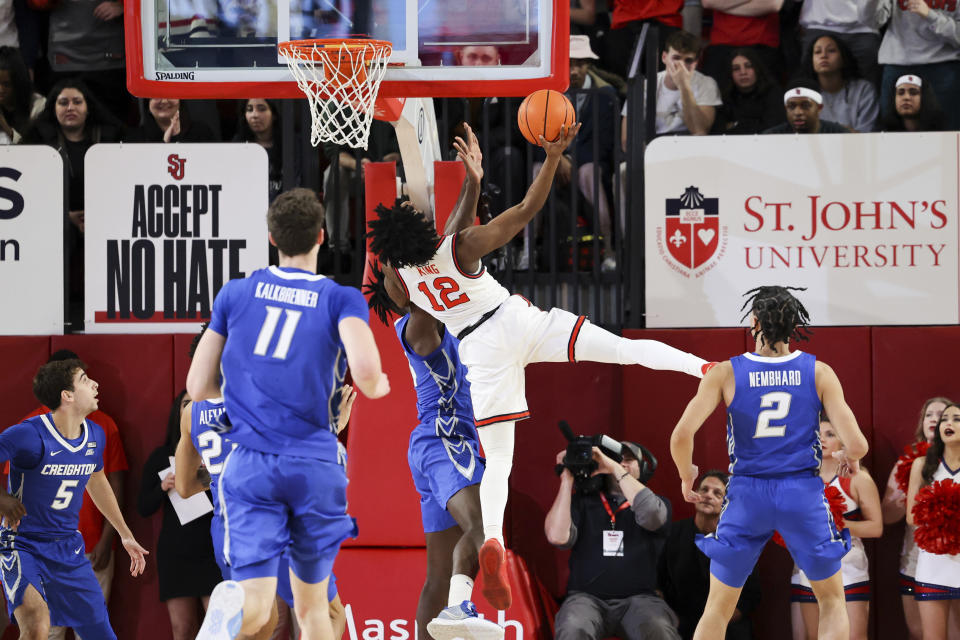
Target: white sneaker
x,y
224,613
462,621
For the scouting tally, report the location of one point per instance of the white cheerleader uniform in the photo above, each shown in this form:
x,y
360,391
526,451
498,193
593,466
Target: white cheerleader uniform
x,y
938,576
854,567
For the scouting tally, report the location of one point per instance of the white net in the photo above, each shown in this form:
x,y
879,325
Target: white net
x,y
341,80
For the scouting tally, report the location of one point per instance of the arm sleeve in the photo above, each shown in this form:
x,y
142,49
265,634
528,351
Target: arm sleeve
x,y
349,303
221,305
21,445
868,108
151,495
649,510
945,27
707,93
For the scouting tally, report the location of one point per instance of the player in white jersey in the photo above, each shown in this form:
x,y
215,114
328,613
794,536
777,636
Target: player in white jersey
x,y
499,334
863,517
938,576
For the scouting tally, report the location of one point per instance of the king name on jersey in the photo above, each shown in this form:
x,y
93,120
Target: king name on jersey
x,y
428,269
68,469
788,378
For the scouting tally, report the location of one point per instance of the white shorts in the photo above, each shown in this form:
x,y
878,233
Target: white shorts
x,y
497,351
854,569
938,576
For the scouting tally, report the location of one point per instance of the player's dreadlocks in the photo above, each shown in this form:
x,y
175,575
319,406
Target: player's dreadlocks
x,y
402,236
380,300
780,315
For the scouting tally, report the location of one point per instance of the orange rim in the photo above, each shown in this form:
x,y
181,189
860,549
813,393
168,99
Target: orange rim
x,y
311,48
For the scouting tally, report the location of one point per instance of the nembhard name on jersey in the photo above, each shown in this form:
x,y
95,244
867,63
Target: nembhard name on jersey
x,y
68,469
790,378
299,297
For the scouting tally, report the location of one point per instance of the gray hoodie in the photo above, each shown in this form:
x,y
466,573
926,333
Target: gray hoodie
x,y
840,16
911,39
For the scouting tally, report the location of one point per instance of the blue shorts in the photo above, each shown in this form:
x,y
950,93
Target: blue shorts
x,y
61,574
756,507
442,466
273,503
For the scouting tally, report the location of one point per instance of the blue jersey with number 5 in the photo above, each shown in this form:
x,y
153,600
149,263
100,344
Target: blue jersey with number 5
x,y
773,423
49,473
283,363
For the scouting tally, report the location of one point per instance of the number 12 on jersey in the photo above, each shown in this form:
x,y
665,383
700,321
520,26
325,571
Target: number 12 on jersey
x,y
445,288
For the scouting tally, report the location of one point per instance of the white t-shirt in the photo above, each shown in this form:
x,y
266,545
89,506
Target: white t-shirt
x,y
669,108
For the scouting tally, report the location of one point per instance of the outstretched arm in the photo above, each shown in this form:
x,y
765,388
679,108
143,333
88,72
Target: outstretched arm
x,y
203,378
475,242
840,414
709,395
100,491
363,357
465,212
187,459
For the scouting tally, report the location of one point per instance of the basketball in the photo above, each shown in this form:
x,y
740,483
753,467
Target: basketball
x,y
543,113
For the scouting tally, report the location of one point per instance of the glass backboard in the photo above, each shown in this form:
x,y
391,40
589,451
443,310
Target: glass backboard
x,y
228,48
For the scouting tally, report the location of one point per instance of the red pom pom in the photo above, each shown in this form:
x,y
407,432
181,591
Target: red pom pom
x,y
910,453
837,507
936,512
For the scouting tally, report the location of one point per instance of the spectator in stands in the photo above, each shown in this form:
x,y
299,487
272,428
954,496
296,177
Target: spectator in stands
x,y
894,508
71,122
803,104
684,571
848,99
186,565
19,105
686,99
583,16
914,107
924,42
627,20
849,21
168,120
743,23
86,40
339,179
752,100
613,559
478,56
259,121
98,534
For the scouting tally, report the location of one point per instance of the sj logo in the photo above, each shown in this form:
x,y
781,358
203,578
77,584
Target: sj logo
x,y
692,231
176,166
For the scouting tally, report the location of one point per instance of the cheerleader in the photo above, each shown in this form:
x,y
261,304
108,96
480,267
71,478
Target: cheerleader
x,y
862,516
938,575
894,507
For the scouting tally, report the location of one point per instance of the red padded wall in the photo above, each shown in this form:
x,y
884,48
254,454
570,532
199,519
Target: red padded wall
x,y
21,357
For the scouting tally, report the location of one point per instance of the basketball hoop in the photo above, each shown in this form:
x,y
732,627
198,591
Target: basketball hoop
x,y
341,78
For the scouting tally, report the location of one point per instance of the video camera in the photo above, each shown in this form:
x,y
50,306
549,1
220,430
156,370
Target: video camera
x,y
579,457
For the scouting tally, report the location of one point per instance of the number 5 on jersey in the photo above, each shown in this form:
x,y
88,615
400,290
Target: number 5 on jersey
x,y
445,288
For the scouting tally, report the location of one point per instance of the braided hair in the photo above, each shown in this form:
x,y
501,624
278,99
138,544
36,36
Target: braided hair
x,y
779,314
380,300
402,236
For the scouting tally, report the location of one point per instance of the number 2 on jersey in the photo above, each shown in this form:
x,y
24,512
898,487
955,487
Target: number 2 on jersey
x,y
212,446
269,327
445,287
779,406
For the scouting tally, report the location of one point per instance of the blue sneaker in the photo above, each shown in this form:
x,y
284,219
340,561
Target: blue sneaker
x,y
462,621
224,613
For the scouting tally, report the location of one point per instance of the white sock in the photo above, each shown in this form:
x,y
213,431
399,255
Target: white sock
x,y
497,441
461,588
599,345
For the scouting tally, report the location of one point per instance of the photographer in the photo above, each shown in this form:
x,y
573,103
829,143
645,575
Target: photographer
x,y
613,560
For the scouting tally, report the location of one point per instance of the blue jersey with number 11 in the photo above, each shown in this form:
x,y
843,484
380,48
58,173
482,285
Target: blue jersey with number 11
x,y
773,422
283,363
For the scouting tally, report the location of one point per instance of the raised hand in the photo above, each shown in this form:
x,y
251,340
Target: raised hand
x,y
469,153
556,149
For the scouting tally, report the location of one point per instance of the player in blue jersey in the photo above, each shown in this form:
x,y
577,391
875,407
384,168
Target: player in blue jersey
x,y
283,339
200,455
444,450
774,398
53,458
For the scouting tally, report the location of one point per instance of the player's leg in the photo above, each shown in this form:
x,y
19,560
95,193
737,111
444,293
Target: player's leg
x,y
497,440
436,586
809,619
338,617
858,613
32,615
720,606
465,508
184,617
934,616
312,607
833,621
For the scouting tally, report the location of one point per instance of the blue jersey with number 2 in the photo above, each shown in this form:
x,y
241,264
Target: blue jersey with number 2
x,y
283,363
773,423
